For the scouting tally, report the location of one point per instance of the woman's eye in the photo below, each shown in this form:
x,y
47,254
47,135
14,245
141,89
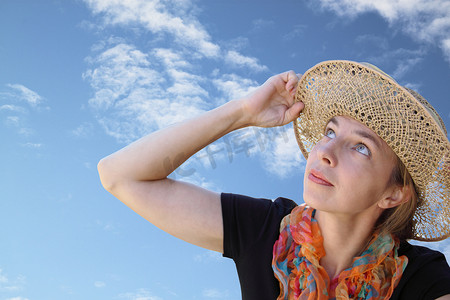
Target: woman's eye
x,y
330,133
362,149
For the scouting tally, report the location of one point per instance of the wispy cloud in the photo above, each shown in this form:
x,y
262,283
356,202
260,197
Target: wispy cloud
x,y
212,293
140,294
208,256
398,62
12,121
107,226
233,86
373,42
33,145
19,101
445,44
283,157
296,32
99,284
8,284
424,21
83,130
12,108
239,60
262,24
23,93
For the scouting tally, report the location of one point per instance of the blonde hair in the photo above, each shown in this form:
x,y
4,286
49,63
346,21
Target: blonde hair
x,y
399,220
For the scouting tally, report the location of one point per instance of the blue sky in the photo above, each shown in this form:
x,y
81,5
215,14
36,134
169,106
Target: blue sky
x,y
81,79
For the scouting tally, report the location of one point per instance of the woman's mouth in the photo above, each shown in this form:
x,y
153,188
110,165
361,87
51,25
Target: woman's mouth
x,y
317,177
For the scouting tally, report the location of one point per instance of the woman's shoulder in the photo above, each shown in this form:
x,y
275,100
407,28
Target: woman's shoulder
x,y
427,275
280,205
419,254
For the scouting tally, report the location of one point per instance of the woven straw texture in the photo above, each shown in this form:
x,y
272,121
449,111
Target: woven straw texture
x,y
413,130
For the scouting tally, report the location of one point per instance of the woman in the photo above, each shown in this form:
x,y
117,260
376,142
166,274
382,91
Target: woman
x,y
369,165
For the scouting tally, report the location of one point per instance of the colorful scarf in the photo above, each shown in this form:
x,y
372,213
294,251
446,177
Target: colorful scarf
x,y
296,264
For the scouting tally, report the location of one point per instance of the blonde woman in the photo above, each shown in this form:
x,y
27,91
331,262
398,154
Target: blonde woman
x,y
377,174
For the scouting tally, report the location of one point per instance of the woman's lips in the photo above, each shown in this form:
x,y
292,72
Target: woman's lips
x,y
317,177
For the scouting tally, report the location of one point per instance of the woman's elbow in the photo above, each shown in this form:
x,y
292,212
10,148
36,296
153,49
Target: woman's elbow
x,y
106,173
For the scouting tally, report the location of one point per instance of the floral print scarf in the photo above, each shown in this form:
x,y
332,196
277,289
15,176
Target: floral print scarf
x,y
296,264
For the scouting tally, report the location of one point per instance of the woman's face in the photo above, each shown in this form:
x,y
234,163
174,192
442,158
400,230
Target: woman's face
x,y
348,171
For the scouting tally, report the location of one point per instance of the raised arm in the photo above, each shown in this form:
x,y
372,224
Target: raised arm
x,y
137,174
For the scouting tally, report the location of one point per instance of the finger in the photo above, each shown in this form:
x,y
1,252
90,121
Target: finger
x,y
293,112
291,82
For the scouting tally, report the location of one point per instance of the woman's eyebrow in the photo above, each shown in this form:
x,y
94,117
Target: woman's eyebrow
x,y
334,121
368,136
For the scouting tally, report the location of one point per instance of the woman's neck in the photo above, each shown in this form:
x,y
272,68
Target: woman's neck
x,y
344,237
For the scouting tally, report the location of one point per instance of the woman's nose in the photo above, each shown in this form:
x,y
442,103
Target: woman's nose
x,y
327,152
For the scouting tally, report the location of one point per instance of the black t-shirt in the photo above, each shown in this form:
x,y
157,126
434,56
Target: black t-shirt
x,y
251,227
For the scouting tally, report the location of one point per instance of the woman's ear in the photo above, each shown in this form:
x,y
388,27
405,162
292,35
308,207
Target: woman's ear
x,y
396,196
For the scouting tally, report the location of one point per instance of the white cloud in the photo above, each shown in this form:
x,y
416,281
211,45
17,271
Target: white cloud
x,y
283,156
99,284
136,96
33,145
208,256
140,294
405,66
107,226
18,100
425,21
26,131
171,58
238,43
400,60
372,42
446,48
214,293
295,33
239,60
11,285
155,16
233,86
23,93
201,181
12,108
3,278
83,130
262,24
13,121
120,70
17,298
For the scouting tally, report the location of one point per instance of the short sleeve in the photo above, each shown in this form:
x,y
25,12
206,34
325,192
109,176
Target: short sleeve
x,y
247,220
251,227
427,275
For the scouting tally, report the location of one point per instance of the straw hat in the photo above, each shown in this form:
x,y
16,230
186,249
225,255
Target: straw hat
x,y
401,117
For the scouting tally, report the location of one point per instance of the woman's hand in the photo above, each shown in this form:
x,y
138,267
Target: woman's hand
x,y
272,104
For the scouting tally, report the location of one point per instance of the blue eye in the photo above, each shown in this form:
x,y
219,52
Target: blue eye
x,y
330,133
362,149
